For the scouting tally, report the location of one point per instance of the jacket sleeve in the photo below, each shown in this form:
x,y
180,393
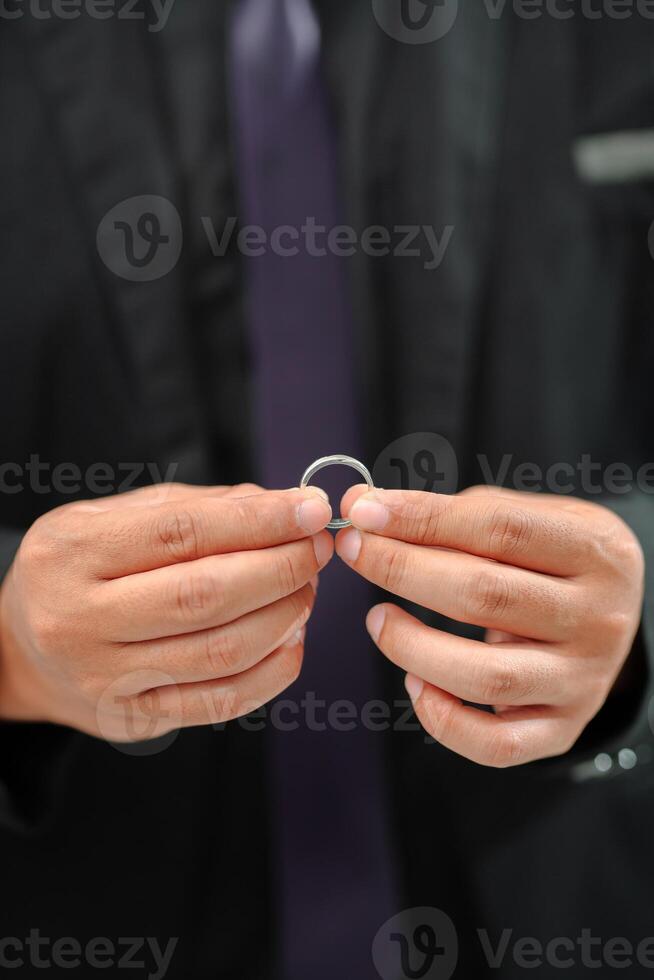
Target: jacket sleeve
x,y
621,737
33,758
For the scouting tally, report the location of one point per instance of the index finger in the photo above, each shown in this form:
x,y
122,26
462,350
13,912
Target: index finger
x,y
160,493
132,540
513,531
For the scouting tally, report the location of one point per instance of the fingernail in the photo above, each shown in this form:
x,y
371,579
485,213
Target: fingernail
x,y
369,513
310,488
322,545
313,514
375,621
414,686
348,545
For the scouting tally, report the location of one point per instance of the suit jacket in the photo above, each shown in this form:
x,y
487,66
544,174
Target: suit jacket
x,y
531,338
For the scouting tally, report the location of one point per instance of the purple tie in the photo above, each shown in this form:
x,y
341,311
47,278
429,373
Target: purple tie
x,y
333,865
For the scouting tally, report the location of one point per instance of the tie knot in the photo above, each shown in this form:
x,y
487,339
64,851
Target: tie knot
x,y
278,40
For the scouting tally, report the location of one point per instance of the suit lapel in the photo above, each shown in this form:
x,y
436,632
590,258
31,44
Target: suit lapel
x,y
421,127
98,82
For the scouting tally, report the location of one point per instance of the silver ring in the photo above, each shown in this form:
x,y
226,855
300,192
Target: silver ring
x,y
337,522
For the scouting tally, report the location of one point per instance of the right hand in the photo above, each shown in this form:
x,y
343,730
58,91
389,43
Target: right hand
x,y
189,611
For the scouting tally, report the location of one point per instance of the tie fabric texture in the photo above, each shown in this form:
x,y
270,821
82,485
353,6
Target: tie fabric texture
x,y
333,867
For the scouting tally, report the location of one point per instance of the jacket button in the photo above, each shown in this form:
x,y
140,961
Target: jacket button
x,y
603,763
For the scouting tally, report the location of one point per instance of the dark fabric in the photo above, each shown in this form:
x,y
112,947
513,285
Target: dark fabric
x,y
329,798
9,543
192,84
533,338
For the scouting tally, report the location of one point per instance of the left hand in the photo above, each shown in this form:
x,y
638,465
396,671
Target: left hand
x,y
556,582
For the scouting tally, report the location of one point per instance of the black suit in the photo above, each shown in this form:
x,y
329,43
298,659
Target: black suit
x,y
531,338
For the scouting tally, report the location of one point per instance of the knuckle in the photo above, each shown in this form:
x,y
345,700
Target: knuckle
x,y
424,521
178,535
287,578
36,549
222,652
440,722
154,490
148,705
478,490
613,543
632,551
625,548
247,519
505,748
221,705
499,684
393,569
507,682
489,594
71,531
510,530
48,632
247,488
48,540
616,624
195,595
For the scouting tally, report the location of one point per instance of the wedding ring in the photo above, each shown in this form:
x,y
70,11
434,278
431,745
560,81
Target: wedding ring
x,y
337,522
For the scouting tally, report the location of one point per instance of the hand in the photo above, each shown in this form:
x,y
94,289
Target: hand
x,y
558,584
187,604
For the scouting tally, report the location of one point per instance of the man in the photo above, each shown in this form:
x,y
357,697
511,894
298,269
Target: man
x,y
522,829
